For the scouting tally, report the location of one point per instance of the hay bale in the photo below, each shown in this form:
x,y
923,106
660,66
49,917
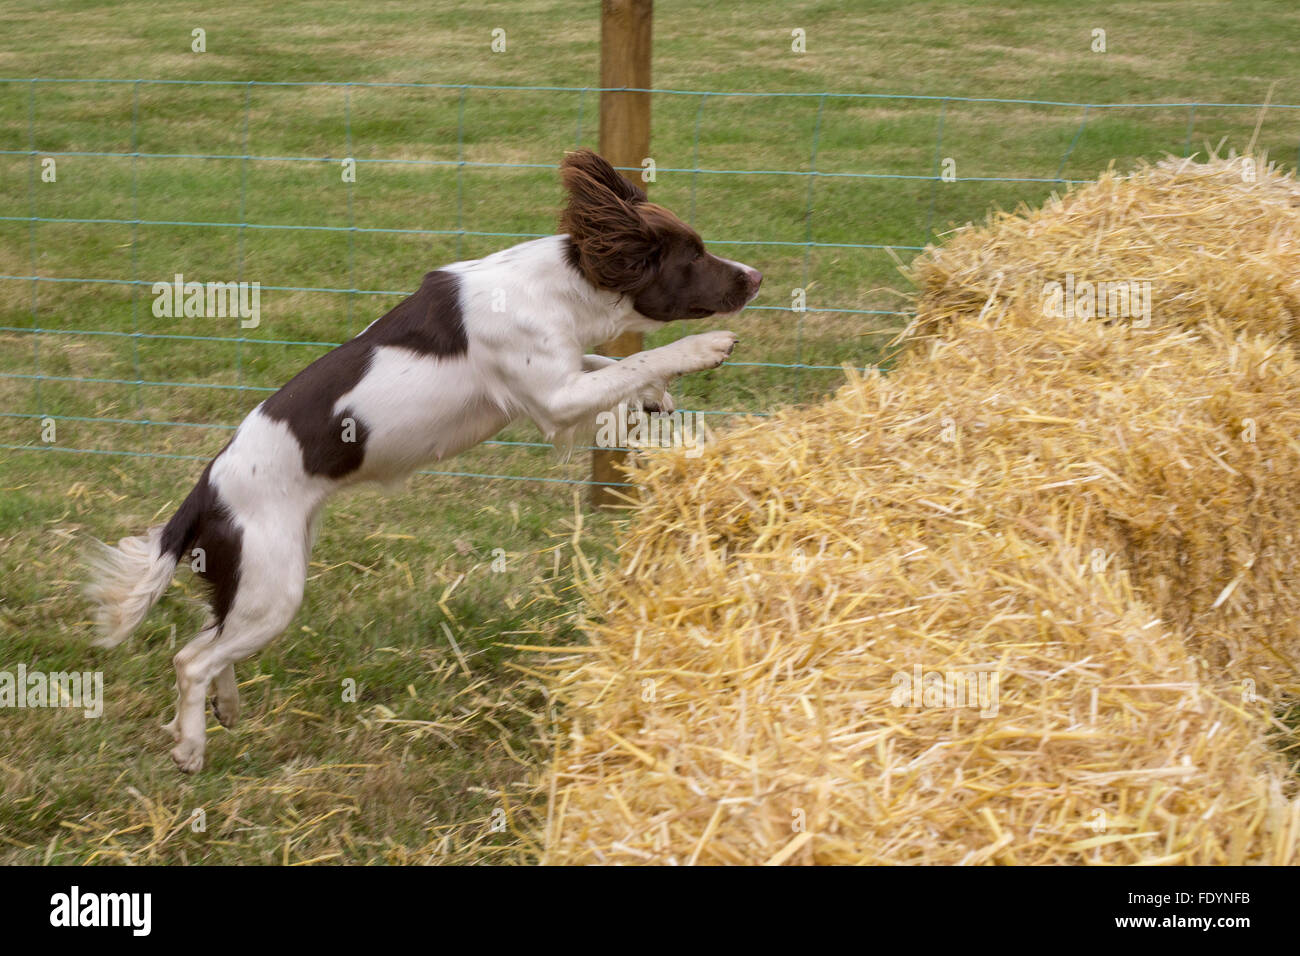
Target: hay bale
x,y
1084,526
1217,240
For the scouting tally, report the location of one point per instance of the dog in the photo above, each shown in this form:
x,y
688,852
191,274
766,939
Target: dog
x,y
480,344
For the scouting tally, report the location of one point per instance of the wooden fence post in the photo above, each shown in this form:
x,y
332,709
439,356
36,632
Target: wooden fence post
x,y
625,45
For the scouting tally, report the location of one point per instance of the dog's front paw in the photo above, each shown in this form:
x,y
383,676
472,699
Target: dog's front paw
x,y
656,399
707,350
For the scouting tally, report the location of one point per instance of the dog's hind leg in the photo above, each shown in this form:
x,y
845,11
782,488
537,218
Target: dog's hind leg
x,y
186,654
273,571
225,702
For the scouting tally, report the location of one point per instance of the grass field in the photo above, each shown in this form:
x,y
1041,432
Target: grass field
x,y
443,735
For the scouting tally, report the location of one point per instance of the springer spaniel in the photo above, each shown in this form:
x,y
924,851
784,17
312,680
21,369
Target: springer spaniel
x,y
478,345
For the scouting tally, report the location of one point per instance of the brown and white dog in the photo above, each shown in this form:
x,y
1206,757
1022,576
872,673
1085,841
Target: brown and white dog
x,y
478,345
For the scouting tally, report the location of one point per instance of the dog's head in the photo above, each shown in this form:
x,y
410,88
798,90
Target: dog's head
x,y
621,242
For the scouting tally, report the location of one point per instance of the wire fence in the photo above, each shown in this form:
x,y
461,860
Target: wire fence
x,y
37,392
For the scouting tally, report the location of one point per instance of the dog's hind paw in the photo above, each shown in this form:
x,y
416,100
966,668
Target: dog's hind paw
x,y
188,756
227,714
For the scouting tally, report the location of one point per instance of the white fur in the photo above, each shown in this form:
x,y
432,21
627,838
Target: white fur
x,y
125,582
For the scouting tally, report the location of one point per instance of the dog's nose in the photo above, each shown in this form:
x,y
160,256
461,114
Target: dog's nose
x,y
753,279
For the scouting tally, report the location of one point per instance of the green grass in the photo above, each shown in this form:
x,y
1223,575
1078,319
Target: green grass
x,y
413,770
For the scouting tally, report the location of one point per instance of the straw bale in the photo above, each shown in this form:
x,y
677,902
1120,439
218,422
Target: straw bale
x,y
1029,597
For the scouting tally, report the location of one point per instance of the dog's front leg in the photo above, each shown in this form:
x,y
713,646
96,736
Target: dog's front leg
x,y
654,398
638,378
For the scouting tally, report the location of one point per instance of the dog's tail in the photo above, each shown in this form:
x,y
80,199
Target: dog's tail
x,y
127,580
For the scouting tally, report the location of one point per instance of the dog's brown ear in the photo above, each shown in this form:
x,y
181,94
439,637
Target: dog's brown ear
x,y
593,168
615,247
